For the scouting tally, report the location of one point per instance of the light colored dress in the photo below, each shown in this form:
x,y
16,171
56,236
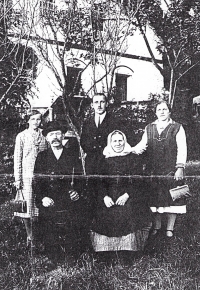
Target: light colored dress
x,y
27,147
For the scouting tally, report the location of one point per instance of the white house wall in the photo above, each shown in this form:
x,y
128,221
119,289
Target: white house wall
x,y
143,78
146,79
137,46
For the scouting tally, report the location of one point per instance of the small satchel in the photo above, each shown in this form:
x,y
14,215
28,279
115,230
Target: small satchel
x,y
179,192
19,205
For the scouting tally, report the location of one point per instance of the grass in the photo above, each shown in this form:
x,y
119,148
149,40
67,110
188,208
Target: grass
x,y
173,264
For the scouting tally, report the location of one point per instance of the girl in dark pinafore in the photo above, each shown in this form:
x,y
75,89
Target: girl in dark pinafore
x,y
165,143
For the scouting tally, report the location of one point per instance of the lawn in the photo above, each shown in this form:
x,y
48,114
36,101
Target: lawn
x,y
168,264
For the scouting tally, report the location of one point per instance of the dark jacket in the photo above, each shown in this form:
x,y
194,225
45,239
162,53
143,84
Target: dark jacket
x,y
121,220
162,149
94,140
57,187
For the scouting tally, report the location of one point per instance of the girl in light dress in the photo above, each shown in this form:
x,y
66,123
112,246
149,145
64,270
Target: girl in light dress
x,y
28,143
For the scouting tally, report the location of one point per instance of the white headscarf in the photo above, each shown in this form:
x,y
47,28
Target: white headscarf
x,y
108,150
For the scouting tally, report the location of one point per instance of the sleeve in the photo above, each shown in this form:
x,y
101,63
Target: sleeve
x,y
18,155
103,188
40,184
39,164
79,183
143,142
181,148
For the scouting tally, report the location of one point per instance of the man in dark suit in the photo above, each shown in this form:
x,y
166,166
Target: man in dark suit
x,y
95,132
94,135
62,207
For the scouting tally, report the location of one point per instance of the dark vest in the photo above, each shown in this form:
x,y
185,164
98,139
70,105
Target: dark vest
x,y
162,149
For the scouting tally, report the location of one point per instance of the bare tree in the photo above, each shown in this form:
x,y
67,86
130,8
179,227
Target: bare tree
x,y
178,30
92,33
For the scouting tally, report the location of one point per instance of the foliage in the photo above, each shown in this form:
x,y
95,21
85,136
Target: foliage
x,y
14,84
7,139
17,71
135,116
177,28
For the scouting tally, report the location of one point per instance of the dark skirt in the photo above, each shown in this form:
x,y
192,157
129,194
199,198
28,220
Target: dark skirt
x,y
160,195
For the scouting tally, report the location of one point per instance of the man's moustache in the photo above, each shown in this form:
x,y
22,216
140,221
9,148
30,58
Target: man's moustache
x,y
54,141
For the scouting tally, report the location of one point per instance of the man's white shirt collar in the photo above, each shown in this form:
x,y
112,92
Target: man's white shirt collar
x,y
99,118
57,152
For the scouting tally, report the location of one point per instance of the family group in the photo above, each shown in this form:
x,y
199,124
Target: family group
x,y
108,208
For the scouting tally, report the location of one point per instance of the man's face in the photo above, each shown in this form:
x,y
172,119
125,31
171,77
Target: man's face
x,y
55,138
99,104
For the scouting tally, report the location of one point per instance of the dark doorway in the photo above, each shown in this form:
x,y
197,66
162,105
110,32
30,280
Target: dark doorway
x,y
121,87
73,80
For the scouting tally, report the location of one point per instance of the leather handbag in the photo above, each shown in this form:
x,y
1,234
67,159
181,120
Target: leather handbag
x,y
19,205
180,192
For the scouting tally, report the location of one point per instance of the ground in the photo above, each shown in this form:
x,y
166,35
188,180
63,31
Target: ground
x,y
166,264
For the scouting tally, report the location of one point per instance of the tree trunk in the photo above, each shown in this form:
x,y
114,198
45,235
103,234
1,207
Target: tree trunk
x,y
74,129
171,87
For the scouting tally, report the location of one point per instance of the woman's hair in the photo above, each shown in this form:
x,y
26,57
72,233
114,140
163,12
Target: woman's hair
x,y
31,113
161,102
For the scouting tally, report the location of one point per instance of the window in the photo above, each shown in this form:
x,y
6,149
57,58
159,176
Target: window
x,y
73,80
47,8
121,87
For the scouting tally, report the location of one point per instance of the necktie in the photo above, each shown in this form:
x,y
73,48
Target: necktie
x,y
98,122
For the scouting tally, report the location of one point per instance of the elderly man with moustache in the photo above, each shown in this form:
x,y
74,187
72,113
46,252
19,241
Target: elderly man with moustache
x,y
62,207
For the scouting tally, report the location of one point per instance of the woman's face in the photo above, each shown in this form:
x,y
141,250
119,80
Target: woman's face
x,y
34,121
162,112
117,142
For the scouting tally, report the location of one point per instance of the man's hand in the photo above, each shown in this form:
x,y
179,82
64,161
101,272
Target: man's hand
x,y
122,199
74,195
179,174
108,201
47,202
18,184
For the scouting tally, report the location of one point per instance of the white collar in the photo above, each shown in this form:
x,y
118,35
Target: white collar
x,y
157,122
57,152
161,126
99,117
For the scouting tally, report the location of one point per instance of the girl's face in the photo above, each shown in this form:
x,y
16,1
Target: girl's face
x,y
34,121
162,112
117,142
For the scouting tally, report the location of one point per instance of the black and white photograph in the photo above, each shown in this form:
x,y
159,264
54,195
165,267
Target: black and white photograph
x,y
99,144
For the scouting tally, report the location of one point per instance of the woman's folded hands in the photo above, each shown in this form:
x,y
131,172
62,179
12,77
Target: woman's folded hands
x,y
120,201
